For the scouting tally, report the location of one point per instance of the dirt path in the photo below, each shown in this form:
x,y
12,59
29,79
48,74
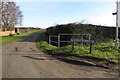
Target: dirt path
x,y
22,59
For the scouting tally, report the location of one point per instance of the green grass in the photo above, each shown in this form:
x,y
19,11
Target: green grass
x,y
106,51
7,39
42,37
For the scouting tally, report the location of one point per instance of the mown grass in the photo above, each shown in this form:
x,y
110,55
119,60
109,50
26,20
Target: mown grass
x,y
105,51
7,39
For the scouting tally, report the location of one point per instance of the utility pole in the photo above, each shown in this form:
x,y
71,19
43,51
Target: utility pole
x,y
117,23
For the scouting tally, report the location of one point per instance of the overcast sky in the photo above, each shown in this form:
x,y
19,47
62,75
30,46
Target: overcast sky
x,y
43,14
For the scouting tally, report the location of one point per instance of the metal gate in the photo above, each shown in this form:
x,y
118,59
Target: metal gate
x,y
72,40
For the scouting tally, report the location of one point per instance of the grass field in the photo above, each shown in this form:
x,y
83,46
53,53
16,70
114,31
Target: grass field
x,y
105,51
7,39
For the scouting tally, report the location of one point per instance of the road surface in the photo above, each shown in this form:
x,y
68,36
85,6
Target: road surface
x,y
22,59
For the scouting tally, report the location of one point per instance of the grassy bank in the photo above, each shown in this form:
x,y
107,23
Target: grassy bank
x,y
8,39
104,51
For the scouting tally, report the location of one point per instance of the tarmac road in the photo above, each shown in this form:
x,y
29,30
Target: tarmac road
x,y
22,59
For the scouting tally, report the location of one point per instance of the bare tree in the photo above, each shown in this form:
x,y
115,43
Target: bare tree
x,y
11,15
0,16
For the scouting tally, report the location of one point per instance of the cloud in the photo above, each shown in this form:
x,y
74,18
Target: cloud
x,y
107,20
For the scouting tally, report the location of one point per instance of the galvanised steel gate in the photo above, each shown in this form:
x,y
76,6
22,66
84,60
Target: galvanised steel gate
x,y
85,38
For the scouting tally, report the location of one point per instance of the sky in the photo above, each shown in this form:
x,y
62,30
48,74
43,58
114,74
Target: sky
x,y
45,13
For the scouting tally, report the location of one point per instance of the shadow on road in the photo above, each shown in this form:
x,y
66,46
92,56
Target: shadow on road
x,y
70,61
40,58
76,62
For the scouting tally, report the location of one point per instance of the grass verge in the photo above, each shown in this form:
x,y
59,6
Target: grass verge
x,y
7,39
103,52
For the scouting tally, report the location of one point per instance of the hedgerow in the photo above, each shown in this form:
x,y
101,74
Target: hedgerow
x,y
98,33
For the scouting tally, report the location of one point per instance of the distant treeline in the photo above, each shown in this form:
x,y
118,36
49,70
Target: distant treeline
x,y
29,28
98,33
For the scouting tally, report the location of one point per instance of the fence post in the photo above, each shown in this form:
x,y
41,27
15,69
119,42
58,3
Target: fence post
x,y
89,36
82,39
49,39
73,46
91,42
58,40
